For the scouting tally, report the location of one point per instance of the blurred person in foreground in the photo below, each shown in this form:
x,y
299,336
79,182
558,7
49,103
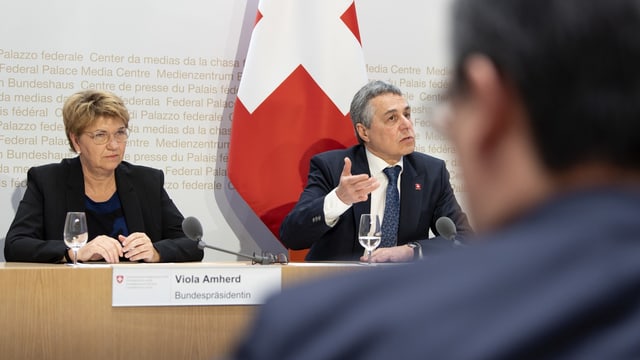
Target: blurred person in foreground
x,y
344,184
130,216
546,119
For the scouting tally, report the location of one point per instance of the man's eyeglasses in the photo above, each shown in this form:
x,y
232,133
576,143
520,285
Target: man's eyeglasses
x,y
101,137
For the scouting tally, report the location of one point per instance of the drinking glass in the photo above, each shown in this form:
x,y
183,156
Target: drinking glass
x,y
75,232
369,233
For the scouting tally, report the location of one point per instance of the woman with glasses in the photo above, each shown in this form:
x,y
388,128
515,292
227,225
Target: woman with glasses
x,y
130,216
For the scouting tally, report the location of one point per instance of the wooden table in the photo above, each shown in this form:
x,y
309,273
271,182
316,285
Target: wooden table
x,y
56,311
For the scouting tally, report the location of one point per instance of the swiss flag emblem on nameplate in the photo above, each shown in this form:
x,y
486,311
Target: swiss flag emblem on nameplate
x,y
119,279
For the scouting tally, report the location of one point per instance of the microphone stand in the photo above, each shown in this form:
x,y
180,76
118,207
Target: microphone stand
x,y
265,259
456,242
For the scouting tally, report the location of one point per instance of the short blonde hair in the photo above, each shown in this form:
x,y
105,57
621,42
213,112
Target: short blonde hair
x,y
81,109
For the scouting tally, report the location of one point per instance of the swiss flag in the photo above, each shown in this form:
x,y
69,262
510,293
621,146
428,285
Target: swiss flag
x,y
304,64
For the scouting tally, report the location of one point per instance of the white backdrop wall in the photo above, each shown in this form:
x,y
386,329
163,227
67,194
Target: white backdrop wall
x,y
178,65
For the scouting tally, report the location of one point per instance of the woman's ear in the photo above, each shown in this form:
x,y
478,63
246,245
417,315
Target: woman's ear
x,y
74,142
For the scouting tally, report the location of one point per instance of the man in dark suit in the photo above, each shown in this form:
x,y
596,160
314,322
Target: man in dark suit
x,y
344,184
545,117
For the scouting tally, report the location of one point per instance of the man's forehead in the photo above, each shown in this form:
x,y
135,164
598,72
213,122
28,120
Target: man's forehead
x,y
388,103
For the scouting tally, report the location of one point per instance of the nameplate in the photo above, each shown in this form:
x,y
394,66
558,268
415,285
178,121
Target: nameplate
x,y
175,285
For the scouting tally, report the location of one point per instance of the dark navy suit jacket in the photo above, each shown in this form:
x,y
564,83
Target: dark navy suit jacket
x,y
563,282
425,195
36,232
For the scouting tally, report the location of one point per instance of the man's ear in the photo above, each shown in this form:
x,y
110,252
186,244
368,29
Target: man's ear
x,y
362,132
493,101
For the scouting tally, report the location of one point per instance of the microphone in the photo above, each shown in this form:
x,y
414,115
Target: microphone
x,y
193,229
447,228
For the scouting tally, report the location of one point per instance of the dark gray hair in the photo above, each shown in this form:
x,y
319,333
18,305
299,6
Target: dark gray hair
x,y
575,65
361,111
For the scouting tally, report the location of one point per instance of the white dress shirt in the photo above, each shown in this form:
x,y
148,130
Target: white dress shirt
x,y
333,207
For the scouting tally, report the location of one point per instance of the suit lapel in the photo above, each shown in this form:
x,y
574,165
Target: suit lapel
x,y
75,186
129,201
411,187
360,165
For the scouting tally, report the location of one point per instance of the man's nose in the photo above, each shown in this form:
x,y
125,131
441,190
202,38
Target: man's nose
x,y
406,123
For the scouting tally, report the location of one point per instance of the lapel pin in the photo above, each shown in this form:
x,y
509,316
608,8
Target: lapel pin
x,y
418,187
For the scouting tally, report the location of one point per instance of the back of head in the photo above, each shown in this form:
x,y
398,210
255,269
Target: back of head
x,y
574,64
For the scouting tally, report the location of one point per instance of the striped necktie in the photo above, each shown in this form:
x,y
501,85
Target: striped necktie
x,y
391,216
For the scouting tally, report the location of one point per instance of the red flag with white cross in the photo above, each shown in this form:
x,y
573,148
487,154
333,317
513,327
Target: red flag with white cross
x,y
303,66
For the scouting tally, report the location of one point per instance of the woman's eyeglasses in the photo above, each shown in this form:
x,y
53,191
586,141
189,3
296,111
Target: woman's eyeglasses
x,y
101,137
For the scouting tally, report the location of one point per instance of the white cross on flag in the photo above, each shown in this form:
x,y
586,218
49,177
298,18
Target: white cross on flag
x,y
303,67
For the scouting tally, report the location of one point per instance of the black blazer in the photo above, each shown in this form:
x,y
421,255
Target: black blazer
x,y
561,282
425,195
54,189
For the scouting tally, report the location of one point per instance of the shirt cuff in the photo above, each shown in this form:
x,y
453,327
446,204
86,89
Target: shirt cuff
x,y
333,208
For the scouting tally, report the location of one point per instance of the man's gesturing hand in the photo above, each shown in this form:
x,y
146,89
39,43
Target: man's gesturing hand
x,y
354,188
